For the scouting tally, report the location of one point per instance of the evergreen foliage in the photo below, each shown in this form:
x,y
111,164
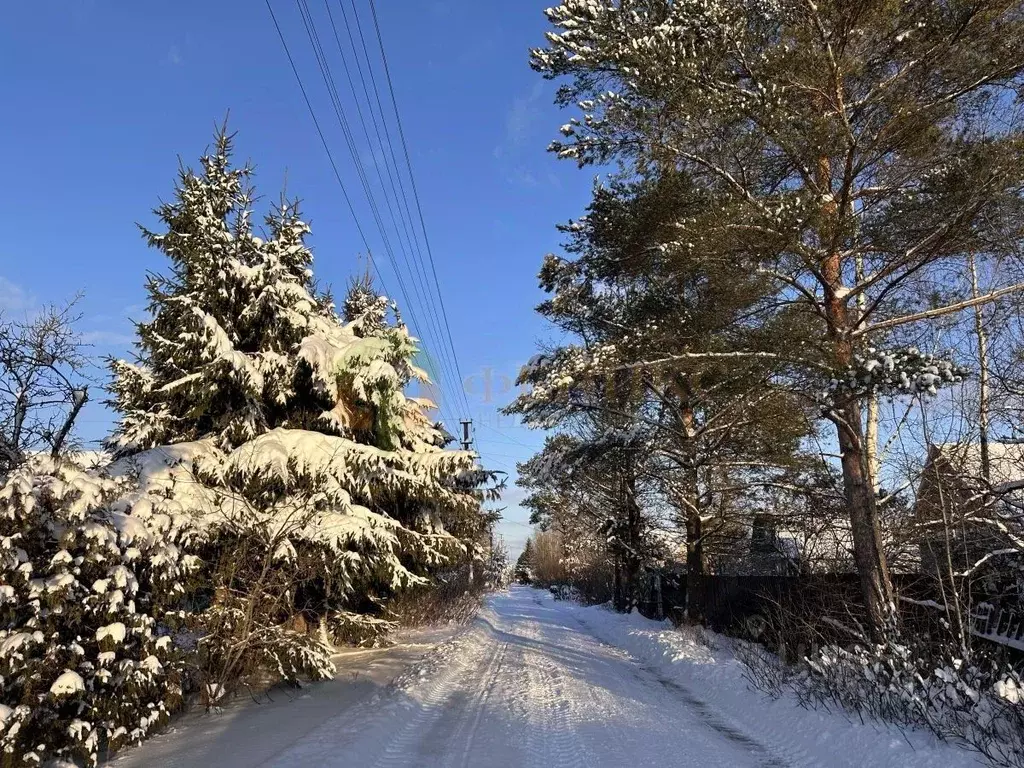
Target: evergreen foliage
x,y
704,424
86,662
841,158
297,414
272,488
524,564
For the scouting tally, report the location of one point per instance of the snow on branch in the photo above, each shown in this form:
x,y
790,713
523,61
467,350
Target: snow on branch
x,y
907,371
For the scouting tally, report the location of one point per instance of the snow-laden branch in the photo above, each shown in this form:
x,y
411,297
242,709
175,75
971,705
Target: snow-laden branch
x,y
986,558
929,314
909,371
736,355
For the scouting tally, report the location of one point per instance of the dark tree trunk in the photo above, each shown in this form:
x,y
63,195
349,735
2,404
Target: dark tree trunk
x,y
694,567
617,593
694,524
858,485
876,586
631,535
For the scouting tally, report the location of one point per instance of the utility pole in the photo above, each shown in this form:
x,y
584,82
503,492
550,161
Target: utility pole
x,y
467,441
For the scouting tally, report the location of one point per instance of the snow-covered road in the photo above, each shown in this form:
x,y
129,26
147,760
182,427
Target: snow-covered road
x,y
528,685
535,682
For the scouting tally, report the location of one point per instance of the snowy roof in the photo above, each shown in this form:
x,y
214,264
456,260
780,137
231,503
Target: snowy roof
x,y
1006,460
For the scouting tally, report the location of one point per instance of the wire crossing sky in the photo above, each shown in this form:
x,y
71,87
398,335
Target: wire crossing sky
x,y
448,122
391,219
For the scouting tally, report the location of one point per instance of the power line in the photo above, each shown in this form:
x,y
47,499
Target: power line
x,y
511,440
323,140
333,163
518,459
417,251
404,200
416,197
325,72
343,122
410,246
367,188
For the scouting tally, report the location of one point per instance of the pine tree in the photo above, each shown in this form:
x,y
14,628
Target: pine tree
x,y
694,422
579,489
847,152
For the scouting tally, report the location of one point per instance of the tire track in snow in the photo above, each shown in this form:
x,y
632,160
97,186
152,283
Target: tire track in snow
x,y
429,705
529,683
464,737
552,739
700,711
414,700
601,706
614,677
778,754
766,757
554,703
529,686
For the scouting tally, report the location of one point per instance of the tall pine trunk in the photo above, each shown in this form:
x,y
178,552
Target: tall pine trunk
x,y
694,567
859,493
694,525
630,559
858,483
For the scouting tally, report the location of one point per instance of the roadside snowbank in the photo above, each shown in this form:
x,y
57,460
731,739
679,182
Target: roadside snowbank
x,y
249,732
713,678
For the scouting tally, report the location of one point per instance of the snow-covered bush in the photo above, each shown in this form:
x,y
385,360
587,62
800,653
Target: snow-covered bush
x,y
243,639
350,628
979,703
452,595
565,592
291,562
85,663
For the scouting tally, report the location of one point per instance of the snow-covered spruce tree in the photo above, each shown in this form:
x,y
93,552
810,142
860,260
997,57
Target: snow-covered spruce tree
x,y
83,665
855,154
524,563
281,435
496,567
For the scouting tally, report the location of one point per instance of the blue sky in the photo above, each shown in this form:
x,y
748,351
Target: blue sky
x,y
108,95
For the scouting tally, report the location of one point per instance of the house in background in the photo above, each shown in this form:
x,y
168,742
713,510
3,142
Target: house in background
x,y
957,516
789,546
773,550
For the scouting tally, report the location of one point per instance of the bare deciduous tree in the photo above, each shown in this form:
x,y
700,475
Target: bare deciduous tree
x,y
42,383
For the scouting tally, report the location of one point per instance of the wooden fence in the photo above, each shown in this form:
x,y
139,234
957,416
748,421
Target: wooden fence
x,y
1000,624
810,609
